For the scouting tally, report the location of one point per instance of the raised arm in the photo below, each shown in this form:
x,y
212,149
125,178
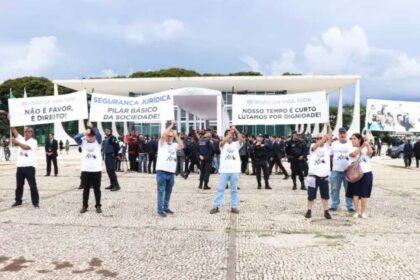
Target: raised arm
x,y
240,137
165,132
179,141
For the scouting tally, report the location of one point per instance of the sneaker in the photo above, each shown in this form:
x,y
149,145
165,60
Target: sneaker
x,y
114,189
308,214
108,188
98,209
364,216
268,188
83,210
333,209
169,211
286,177
356,215
36,206
351,210
327,215
206,188
162,214
214,210
234,210
17,204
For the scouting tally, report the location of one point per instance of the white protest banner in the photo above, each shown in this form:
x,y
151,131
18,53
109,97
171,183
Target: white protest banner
x,y
152,108
310,107
48,109
392,115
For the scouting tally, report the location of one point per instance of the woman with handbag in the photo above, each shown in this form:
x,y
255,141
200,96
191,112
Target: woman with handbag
x,y
359,174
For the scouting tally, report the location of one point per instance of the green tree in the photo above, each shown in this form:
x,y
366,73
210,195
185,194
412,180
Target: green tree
x,y
171,72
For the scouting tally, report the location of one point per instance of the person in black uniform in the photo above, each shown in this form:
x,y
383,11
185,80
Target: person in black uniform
x,y
110,149
192,156
259,155
278,154
205,154
51,147
151,149
295,150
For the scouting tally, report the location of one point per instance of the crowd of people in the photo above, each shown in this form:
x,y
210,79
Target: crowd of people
x,y
319,163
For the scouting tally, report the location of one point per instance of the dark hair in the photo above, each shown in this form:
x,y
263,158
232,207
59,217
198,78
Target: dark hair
x,y
360,137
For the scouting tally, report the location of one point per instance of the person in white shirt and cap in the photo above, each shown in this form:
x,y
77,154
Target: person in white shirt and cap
x,y
26,165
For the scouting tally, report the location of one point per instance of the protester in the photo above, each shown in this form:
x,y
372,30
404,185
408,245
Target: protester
x,y
26,165
121,157
251,140
408,153
110,149
361,190
205,154
91,165
133,151
166,167
260,158
151,149
229,170
277,156
51,147
295,150
417,152
318,173
142,165
244,154
340,160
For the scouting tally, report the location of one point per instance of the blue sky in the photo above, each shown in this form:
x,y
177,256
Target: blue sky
x,y
72,39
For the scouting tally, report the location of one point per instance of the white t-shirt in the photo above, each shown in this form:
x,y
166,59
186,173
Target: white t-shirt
x,y
166,159
27,157
230,161
319,161
364,159
91,160
340,153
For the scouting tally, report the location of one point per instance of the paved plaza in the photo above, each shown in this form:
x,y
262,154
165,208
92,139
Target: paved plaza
x,y
269,239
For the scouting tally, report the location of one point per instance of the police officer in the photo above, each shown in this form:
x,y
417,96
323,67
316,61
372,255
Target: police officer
x,y
295,150
259,155
205,154
110,149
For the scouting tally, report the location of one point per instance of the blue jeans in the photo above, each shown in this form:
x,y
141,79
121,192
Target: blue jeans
x,y
336,179
142,167
165,182
223,180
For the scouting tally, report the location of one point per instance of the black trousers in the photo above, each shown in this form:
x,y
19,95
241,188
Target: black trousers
x,y
277,161
407,160
52,158
205,170
152,162
192,163
262,165
298,168
110,169
27,173
133,163
417,161
244,163
91,179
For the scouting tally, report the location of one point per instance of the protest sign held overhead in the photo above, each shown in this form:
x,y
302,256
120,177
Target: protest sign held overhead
x,y
48,109
280,109
152,108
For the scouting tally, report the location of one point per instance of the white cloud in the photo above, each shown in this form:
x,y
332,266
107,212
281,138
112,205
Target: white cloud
x,y
285,64
252,63
108,73
36,57
138,32
406,68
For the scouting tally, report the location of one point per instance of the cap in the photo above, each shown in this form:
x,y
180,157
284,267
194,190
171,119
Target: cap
x,y
342,130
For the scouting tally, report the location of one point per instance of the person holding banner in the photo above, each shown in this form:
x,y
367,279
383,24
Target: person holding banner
x,y
319,172
51,148
166,168
26,165
260,158
110,149
229,169
295,150
91,165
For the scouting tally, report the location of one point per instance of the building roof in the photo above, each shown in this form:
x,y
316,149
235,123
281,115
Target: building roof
x,y
292,84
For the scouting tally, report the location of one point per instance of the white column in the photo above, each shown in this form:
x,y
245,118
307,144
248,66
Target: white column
x,y
187,120
59,132
308,128
220,127
355,124
101,129
339,121
125,129
195,122
115,130
316,129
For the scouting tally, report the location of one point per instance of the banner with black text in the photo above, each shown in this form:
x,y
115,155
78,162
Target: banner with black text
x,y
48,109
310,107
152,108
